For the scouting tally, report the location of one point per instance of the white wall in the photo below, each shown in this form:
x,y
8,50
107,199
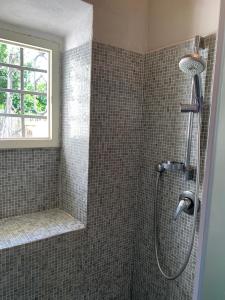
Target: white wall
x,y
143,25
178,20
121,23
82,29
138,25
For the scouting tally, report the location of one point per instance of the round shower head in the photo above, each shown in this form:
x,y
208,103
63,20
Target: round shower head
x,y
192,64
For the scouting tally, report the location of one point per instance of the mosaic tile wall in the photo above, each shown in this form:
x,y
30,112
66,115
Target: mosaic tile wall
x,y
131,128
28,181
76,70
95,263
164,138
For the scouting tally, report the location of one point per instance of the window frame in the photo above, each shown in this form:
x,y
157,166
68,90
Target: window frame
x,y
53,92
21,68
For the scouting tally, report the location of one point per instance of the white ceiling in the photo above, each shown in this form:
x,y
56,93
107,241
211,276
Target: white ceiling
x,y
57,17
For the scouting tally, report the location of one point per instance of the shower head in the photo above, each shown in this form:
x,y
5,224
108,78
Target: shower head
x,y
192,64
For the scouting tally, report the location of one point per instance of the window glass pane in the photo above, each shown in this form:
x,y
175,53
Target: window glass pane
x,y
9,78
35,81
36,105
3,77
35,59
9,54
41,105
3,96
36,128
10,127
16,103
10,103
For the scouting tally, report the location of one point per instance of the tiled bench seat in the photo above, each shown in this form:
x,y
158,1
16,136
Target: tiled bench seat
x,y
28,228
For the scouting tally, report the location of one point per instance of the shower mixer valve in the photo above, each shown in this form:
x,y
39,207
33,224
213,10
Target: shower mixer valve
x,y
186,204
172,166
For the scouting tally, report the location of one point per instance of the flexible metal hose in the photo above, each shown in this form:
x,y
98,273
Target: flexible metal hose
x,y
156,238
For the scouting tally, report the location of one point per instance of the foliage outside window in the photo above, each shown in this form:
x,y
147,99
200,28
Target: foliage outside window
x,y
24,100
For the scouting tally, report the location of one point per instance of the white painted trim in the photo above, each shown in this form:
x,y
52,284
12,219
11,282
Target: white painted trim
x,y
23,116
208,202
54,90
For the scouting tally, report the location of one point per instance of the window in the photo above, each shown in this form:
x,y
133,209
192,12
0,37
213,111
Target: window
x,y
25,112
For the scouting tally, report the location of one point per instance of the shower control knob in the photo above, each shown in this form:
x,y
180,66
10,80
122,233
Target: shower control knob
x,y
183,206
186,204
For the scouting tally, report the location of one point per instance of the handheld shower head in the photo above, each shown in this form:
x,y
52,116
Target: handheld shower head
x,y
192,64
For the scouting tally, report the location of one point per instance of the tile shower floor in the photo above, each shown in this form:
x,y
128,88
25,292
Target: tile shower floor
x,y
28,228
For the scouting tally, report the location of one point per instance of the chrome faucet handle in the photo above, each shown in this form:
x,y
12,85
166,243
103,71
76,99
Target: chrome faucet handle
x,y
184,205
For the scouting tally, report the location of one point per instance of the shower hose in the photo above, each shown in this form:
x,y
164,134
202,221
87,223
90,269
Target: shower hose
x,y
156,238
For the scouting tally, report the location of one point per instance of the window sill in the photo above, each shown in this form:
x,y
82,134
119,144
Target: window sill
x,y
19,230
27,144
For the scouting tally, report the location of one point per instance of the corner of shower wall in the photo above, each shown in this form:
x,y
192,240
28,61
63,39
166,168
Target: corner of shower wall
x,y
162,138
76,93
116,110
